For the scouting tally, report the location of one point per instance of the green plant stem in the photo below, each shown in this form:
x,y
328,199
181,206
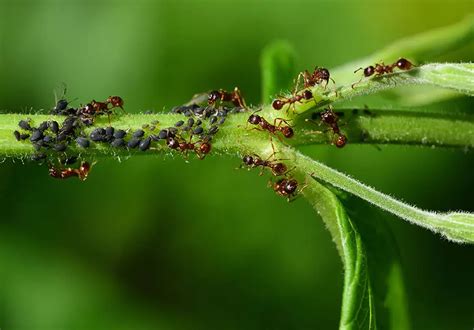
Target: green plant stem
x,y
455,226
396,127
377,127
457,77
419,47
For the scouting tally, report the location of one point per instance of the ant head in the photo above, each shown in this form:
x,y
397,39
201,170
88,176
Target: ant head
x,y
368,71
287,131
213,97
328,116
341,141
278,104
88,109
307,95
205,147
404,64
116,101
322,73
84,170
248,160
172,143
290,186
254,119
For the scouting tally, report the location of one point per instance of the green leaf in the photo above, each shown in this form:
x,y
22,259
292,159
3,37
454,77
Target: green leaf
x,y
384,266
373,295
455,226
278,63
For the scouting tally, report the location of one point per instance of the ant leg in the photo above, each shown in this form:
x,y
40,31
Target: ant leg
x,y
288,171
239,98
297,82
358,82
281,120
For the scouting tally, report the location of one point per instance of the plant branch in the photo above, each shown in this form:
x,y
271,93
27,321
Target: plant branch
x,y
457,77
419,47
455,226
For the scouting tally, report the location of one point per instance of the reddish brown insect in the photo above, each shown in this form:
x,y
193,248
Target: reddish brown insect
x,y
380,68
115,102
202,147
286,130
312,79
286,188
82,172
99,107
276,167
235,97
329,118
95,108
279,103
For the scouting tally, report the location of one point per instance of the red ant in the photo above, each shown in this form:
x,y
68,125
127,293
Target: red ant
x,y
82,172
115,101
317,77
381,68
235,97
285,187
97,108
255,161
287,131
202,150
279,103
330,118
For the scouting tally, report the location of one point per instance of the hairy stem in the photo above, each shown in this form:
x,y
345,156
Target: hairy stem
x,y
419,47
374,127
457,77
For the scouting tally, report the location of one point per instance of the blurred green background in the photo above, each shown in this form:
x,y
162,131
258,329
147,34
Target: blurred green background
x,y
153,243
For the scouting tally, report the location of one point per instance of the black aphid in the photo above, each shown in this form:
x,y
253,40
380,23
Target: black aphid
x,y
198,130
145,144
109,131
36,135
138,133
24,125
213,130
43,126
83,142
120,134
96,135
163,134
53,126
59,147
133,143
118,143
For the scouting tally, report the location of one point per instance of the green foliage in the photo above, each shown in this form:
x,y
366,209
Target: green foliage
x,y
373,295
278,64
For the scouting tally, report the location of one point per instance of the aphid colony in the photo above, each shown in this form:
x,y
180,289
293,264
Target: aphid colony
x,y
203,116
54,142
